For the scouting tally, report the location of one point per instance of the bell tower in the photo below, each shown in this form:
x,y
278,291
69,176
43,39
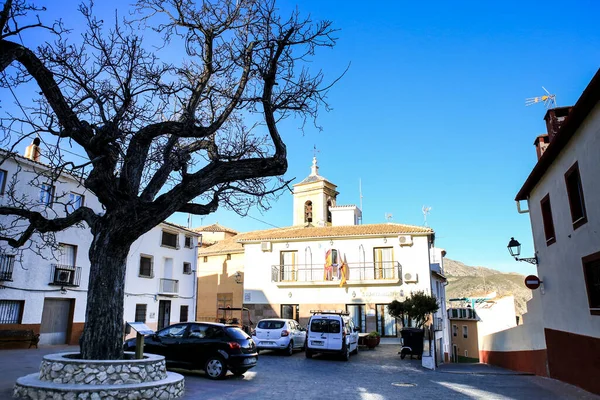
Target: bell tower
x,y
312,199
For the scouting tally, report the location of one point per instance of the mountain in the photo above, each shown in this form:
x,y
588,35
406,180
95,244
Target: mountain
x,y
467,281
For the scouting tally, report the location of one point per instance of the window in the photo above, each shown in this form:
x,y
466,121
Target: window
x,y
591,273
466,353
224,300
183,313
169,239
454,330
11,311
308,211
287,261
575,192
205,259
384,263
328,211
547,219
465,331
187,268
140,312
146,264
75,201
47,194
67,255
188,242
3,176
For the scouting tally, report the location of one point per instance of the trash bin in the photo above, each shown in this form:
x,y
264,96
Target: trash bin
x,y
412,342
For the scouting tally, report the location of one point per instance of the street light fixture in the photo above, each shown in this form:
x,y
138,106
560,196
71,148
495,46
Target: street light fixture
x,y
238,277
514,248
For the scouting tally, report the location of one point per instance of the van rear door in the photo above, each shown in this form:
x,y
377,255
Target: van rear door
x,y
318,336
335,337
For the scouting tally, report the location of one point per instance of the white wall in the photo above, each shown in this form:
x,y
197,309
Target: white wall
x,y
257,280
565,302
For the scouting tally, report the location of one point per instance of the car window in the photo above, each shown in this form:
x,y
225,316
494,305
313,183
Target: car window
x,y
267,324
176,331
197,331
237,333
334,326
318,325
214,332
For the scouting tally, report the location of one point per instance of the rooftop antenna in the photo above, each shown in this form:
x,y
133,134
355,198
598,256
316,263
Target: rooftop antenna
x,y
548,99
360,192
388,217
426,210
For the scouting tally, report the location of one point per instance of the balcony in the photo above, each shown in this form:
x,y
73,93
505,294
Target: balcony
x,y
462,313
65,275
168,286
379,273
7,263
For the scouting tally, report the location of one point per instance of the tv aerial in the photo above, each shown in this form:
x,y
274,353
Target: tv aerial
x,y
548,99
426,210
388,217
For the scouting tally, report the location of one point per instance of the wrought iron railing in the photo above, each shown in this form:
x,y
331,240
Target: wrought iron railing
x,y
7,262
65,275
385,270
169,286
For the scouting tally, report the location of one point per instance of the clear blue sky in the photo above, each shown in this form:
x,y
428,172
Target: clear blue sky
x,y
431,112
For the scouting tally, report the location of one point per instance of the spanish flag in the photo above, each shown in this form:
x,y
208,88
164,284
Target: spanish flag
x,y
343,270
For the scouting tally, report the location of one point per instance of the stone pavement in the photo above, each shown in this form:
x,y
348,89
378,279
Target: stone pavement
x,y
377,374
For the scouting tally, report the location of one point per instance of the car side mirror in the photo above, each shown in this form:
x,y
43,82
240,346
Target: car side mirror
x,y
356,329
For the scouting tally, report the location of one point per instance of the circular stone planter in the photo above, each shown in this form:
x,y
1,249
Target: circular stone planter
x,y
64,376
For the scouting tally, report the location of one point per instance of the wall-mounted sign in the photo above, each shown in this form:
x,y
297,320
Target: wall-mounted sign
x,y
532,282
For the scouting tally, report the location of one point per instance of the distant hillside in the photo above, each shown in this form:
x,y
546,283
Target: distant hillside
x,y
467,281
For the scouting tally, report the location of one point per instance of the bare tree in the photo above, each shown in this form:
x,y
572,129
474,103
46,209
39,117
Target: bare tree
x,y
159,137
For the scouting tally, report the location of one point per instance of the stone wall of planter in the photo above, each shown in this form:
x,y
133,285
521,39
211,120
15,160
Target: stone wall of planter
x,y
64,377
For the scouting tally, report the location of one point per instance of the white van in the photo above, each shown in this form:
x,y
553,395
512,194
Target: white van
x,y
331,332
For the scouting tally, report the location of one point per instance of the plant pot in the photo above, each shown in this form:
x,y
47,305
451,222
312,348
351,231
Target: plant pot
x,y
372,342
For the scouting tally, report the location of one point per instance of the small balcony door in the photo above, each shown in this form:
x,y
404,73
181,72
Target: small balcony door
x,y
67,256
383,258
288,261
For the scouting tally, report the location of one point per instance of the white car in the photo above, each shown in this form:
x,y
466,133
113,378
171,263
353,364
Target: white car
x,y
331,332
279,334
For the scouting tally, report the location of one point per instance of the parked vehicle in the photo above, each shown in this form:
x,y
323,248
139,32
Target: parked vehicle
x,y
412,342
213,347
279,334
245,323
331,332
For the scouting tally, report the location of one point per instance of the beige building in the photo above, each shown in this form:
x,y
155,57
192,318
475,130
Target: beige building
x,y
220,273
463,334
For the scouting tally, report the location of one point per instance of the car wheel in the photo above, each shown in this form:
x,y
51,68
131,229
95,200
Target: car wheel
x,y
215,367
290,349
308,353
239,372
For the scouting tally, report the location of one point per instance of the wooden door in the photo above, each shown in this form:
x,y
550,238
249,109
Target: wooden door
x,y
55,321
164,313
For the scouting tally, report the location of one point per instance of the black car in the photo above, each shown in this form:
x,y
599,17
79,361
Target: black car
x,y
213,347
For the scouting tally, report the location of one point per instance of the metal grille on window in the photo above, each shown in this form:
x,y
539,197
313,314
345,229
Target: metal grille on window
x,y
183,314
10,311
145,266
169,239
187,268
140,312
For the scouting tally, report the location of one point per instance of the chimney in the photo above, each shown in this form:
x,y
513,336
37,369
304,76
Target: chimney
x,y
541,142
555,119
32,151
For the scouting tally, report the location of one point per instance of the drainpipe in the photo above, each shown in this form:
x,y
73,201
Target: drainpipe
x,y
519,208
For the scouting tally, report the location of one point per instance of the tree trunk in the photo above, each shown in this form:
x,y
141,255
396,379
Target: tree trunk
x,y
103,331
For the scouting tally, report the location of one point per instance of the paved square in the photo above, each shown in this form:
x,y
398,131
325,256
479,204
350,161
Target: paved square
x,y
377,374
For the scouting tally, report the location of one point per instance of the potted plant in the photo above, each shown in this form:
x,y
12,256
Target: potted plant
x,y
373,339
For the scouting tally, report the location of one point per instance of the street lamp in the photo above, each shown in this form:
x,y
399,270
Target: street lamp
x,y
514,248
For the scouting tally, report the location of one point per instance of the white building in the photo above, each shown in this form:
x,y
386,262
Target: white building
x,y
560,335
290,271
45,290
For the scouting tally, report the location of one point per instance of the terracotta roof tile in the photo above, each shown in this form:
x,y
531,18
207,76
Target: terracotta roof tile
x,y
225,246
215,228
300,232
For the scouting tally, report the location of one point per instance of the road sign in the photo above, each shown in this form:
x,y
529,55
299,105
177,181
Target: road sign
x,y
532,282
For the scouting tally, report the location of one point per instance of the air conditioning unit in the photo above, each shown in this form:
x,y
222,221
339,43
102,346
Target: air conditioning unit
x,y
405,240
265,246
410,277
63,276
